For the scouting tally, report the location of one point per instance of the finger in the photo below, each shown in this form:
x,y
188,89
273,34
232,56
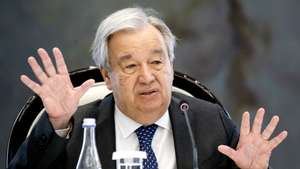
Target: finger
x,y
228,151
270,128
245,124
258,120
48,65
84,87
37,70
31,84
278,139
60,62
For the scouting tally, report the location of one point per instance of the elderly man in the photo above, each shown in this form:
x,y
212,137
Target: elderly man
x,y
135,52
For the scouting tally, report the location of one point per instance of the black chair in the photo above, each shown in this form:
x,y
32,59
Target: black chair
x,y
34,107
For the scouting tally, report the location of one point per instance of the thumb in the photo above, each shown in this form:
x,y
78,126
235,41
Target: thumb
x,y
228,151
84,87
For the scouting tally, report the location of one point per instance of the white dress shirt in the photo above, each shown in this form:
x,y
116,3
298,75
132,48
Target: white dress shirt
x,y
162,143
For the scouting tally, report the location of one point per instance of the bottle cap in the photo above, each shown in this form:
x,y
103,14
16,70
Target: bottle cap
x,y
89,122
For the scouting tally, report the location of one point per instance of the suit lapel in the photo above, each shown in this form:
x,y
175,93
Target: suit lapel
x,y
105,132
182,142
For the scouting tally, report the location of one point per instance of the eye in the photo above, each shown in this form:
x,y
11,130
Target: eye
x,y
156,62
130,66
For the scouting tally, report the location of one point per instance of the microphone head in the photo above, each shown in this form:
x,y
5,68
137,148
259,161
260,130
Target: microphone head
x,y
184,106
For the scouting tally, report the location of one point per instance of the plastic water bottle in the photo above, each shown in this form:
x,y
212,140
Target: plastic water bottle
x,y
89,158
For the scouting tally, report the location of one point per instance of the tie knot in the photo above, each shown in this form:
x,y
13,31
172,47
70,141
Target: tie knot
x,y
146,133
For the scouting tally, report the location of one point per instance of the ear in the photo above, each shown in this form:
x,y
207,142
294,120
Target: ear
x,y
106,78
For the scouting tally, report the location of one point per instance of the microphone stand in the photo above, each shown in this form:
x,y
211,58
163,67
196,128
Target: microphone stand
x,y
184,107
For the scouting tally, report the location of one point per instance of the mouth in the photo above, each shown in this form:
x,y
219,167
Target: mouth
x,y
148,92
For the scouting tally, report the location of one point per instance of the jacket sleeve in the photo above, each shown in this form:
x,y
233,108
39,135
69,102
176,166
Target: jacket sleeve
x,y
231,132
42,149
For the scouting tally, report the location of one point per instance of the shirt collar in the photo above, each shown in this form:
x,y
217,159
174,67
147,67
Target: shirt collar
x,y
127,125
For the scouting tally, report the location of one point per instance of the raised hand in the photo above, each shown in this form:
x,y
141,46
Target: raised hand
x,y
58,95
254,147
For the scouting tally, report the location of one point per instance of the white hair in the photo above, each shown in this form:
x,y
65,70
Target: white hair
x,y
128,18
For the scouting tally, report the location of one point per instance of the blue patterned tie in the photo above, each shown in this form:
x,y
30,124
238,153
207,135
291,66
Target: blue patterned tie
x,y
145,135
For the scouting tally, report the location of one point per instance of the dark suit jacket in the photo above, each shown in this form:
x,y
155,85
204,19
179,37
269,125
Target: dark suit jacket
x,y
211,127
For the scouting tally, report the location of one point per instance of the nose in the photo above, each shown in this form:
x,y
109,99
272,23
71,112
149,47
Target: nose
x,y
146,75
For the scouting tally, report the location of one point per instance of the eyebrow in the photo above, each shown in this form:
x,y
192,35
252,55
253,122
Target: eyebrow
x,y
125,57
157,51
128,56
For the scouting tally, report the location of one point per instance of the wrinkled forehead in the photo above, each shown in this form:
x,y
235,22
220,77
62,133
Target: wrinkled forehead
x,y
142,39
134,29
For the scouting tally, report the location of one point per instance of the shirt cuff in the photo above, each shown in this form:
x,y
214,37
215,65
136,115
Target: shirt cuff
x,y
65,133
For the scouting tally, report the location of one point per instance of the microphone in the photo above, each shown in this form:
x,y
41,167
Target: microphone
x,y
184,107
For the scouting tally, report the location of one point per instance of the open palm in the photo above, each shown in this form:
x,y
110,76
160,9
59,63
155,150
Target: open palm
x,y
254,147
58,95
